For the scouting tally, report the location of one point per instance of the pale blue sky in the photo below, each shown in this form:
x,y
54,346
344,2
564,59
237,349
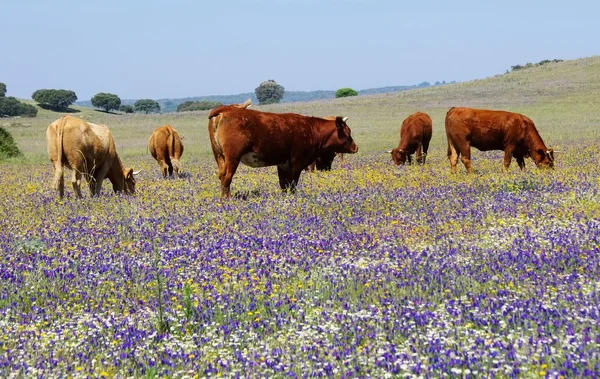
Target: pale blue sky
x,y
159,49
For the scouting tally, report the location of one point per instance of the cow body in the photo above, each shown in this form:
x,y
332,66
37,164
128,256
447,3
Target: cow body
x,y
415,134
259,139
512,133
88,150
166,146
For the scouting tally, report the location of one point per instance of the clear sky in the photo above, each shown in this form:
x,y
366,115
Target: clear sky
x,y
172,49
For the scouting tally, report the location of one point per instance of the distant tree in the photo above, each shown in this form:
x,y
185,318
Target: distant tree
x,y
106,101
169,106
146,106
2,89
269,92
56,99
10,107
126,109
201,105
345,92
8,147
424,84
437,83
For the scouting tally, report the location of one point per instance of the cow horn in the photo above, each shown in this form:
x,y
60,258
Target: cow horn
x,y
389,151
137,172
345,119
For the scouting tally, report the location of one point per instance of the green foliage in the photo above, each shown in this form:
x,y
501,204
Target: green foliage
x,y
269,92
146,106
345,92
55,99
2,89
106,101
201,105
530,65
8,147
10,107
126,109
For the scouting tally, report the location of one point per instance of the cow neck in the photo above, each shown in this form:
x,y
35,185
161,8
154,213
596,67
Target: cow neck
x,y
321,129
534,140
115,174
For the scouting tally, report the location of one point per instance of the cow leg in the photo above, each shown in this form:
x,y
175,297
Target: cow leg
x,y
175,164
163,167
97,179
521,163
507,157
229,168
76,181
425,149
465,153
409,158
419,155
170,167
59,180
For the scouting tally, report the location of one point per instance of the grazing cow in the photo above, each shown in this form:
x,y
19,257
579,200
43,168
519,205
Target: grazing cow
x,y
89,150
259,139
415,134
323,162
513,133
166,146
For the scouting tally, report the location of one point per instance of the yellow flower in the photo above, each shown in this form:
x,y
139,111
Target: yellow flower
x,y
542,373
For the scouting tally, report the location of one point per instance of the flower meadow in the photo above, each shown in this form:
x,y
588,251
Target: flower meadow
x,y
370,270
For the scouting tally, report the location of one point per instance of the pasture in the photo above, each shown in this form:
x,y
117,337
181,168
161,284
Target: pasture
x,y
370,270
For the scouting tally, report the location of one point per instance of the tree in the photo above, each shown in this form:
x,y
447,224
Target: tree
x,y
146,106
201,105
107,101
2,89
56,99
126,109
345,92
269,92
10,107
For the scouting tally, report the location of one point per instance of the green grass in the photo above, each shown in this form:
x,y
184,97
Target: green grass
x,y
558,97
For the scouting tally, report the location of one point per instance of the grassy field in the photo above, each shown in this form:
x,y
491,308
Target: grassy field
x,y
370,270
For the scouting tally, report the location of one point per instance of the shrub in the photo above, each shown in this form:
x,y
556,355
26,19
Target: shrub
x,y
126,109
10,107
345,92
269,92
146,106
8,147
106,101
2,89
201,105
56,99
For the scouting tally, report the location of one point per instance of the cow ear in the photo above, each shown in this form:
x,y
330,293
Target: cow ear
x,y
339,122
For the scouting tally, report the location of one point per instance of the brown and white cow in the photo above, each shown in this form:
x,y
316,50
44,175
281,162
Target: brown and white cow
x,y
415,134
485,130
88,150
166,146
286,140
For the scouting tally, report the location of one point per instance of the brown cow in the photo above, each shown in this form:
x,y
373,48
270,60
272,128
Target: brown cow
x,y
166,146
513,133
415,134
259,139
89,150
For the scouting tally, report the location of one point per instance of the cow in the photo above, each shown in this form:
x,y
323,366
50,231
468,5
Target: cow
x,y
166,146
323,162
286,140
415,134
88,150
513,133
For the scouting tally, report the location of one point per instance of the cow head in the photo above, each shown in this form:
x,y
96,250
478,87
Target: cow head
x,y
128,175
398,156
543,158
344,136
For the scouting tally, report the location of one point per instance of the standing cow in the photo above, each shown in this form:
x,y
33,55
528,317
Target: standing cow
x,y
513,133
166,146
415,134
259,139
88,150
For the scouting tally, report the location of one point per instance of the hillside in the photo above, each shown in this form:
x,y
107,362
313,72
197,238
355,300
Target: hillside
x,y
170,105
562,99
